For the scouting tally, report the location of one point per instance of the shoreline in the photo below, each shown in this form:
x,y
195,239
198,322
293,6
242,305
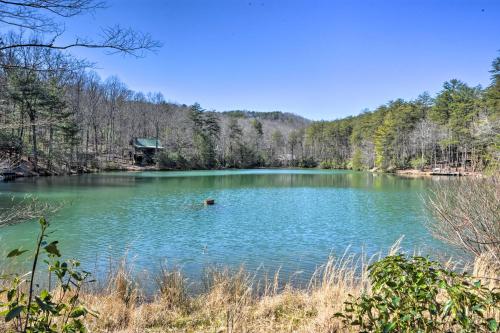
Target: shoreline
x,y
25,170
429,173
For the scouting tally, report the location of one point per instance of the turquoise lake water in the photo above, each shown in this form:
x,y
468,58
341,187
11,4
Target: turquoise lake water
x,y
293,219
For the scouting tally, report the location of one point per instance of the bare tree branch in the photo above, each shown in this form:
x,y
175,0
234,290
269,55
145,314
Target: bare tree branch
x,y
116,39
467,215
33,14
38,16
27,208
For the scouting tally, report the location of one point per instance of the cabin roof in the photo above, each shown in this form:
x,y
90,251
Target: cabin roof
x,y
147,143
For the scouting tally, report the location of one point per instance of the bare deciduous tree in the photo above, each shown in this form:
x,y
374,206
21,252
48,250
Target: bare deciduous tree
x,y
467,215
39,17
27,208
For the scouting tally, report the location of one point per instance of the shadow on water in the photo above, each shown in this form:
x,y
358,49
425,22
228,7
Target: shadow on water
x,y
219,179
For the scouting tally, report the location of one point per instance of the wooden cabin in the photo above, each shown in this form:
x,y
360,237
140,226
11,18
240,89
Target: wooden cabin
x,y
145,150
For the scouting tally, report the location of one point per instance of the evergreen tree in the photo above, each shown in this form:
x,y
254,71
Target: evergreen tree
x,y
235,143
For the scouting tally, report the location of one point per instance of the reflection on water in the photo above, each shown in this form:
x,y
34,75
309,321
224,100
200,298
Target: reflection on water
x,y
288,218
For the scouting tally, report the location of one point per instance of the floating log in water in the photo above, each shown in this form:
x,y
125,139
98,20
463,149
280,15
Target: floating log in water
x,y
209,201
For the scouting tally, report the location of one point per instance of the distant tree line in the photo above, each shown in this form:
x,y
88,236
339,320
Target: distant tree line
x,y
58,116
458,128
64,117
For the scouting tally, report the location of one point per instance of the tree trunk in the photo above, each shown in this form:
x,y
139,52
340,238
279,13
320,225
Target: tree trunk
x,y
87,141
51,137
35,150
96,151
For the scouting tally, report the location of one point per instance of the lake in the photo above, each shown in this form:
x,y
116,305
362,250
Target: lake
x,y
293,219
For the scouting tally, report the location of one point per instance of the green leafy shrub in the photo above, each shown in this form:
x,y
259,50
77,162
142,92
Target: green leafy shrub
x,y
357,160
418,163
307,162
111,166
418,295
326,165
48,310
332,164
172,161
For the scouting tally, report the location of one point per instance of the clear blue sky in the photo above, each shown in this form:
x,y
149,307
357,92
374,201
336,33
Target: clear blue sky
x,y
320,59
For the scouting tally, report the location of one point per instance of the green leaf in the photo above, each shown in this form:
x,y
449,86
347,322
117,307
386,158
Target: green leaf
x,y
492,325
52,249
78,312
14,312
447,307
44,306
43,222
389,327
43,294
15,253
406,318
10,294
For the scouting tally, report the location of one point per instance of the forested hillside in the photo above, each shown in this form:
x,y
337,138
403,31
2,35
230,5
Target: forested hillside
x,y
63,117
457,128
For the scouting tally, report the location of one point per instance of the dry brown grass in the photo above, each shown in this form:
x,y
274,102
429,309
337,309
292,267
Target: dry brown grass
x,y
237,301
232,301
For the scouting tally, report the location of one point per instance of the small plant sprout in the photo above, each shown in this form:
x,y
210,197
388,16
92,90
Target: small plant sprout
x,y
28,308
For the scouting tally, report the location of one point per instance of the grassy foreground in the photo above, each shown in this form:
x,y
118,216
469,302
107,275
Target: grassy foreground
x,y
233,301
236,301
